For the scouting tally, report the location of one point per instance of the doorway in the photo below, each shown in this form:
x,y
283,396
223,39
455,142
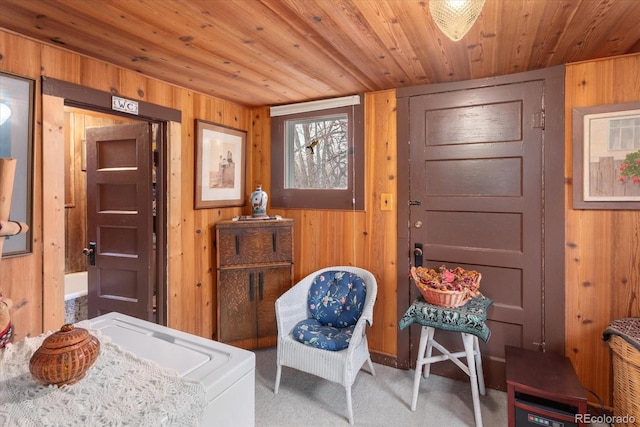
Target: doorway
x,y
485,192
58,95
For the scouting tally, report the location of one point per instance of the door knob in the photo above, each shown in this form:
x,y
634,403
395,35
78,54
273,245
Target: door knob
x,y
91,253
417,255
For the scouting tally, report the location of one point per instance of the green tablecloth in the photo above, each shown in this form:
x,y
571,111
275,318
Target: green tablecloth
x,y
469,318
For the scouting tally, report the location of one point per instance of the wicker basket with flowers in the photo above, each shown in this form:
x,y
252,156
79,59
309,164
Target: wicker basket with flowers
x,y
445,287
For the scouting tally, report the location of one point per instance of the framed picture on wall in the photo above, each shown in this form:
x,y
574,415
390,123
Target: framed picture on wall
x,y
17,97
220,166
606,156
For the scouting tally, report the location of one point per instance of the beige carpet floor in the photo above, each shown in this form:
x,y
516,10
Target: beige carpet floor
x,y
382,400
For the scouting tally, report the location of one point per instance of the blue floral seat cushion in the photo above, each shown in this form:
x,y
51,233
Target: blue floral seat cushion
x,y
335,302
311,332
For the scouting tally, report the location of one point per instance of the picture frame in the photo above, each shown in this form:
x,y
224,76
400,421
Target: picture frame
x,y
220,166
604,140
17,101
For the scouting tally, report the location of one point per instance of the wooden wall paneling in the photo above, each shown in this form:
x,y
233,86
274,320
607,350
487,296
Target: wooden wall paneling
x,y
235,116
52,203
314,252
203,290
98,75
204,268
590,283
582,314
20,55
260,153
351,228
203,283
630,90
602,246
132,85
185,291
60,64
625,284
381,147
175,216
160,93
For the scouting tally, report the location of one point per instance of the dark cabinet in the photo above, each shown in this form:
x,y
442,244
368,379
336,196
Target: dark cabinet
x,y
543,390
254,267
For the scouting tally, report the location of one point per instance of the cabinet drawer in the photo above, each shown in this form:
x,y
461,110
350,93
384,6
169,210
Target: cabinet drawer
x,y
252,245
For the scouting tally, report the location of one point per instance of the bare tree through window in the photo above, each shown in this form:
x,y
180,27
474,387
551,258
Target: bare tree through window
x,y
318,153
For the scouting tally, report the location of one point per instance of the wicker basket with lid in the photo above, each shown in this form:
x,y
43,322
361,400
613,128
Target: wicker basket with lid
x,y
65,356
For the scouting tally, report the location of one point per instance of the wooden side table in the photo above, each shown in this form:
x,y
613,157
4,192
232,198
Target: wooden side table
x,y
543,389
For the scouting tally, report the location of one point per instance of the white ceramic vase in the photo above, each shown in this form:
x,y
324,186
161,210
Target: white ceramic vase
x,y
259,202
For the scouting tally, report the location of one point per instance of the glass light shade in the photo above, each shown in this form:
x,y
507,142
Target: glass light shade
x,y
455,17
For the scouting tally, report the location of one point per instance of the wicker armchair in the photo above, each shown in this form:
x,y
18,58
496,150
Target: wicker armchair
x,y
340,366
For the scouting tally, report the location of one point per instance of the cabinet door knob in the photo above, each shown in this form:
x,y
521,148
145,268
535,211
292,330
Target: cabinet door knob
x,y
251,287
261,285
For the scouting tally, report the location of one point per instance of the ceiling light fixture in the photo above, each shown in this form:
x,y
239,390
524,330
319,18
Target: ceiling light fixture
x,y
455,17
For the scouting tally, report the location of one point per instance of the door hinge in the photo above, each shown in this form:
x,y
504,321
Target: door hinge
x,y
538,120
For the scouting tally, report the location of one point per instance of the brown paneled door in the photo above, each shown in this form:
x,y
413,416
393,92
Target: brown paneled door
x,y
120,220
476,191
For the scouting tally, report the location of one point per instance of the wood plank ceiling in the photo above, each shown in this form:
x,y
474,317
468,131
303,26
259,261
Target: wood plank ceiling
x,y
270,52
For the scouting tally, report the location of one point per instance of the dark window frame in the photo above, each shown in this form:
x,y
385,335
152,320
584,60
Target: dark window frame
x,y
281,197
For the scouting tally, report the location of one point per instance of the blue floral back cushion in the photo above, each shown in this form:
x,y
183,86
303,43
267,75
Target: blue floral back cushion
x,y
336,298
335,302
311,332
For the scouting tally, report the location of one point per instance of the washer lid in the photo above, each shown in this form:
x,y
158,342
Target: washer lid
x,y
215,365
148,345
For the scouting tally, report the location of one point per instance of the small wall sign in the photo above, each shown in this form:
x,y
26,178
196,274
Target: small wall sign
x,y
125,105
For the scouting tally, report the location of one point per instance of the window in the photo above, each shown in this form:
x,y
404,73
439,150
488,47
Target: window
x,y
624,134
317,155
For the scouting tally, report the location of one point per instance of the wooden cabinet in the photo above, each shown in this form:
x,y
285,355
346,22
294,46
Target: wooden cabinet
x,y
254,267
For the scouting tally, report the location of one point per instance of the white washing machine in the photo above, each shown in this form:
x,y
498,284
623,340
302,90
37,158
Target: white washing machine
x,y
227,373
